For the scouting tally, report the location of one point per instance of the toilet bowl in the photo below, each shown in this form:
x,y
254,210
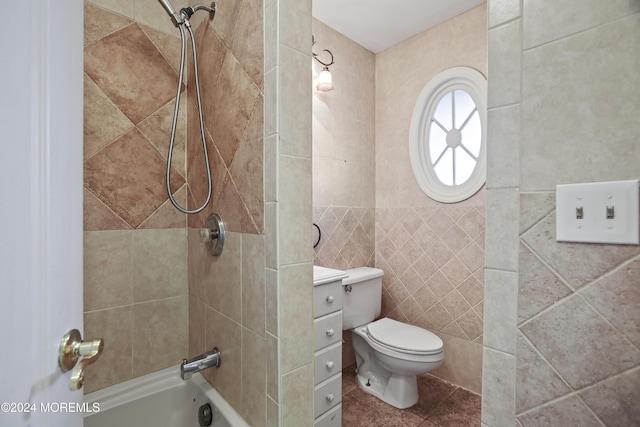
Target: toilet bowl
x,y
389,354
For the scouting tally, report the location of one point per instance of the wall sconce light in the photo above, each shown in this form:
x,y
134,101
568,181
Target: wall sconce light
x,y
325,82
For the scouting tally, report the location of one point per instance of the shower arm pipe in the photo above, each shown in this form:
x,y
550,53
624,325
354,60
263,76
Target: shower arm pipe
x,y
175,119
182,17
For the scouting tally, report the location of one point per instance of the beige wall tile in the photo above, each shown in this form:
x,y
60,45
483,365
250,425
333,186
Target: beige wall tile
x,y
160,264
253,378
108,269
253,283
504,65
271,233
500,310
271,154
566,334
538,287
273,414
502,229
295,299
271,35
295,24
294,210
617,297
224,286
123,7
226,334
197,327
614,400
159,334
536,382
248,39
498,388
503,147
502,11
294,100
577,264
569,410
297,397
462,363
534,207
115,365
273,368
547,20
271,304
569,95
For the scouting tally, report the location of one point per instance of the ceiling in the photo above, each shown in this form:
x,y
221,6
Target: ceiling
x,y
379,24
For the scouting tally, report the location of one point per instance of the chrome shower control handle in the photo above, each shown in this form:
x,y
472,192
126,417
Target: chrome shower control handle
x,y
330,299
330,332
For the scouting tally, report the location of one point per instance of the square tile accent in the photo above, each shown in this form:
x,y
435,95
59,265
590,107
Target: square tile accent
x,y
131,71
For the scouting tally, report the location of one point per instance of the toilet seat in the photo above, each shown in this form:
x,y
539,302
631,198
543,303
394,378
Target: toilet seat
x,y
404,338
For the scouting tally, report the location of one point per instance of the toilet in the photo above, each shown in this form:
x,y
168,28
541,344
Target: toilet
x,y
389,354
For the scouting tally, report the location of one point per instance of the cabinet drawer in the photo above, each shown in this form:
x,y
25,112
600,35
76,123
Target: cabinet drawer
x,y
327,298
327,330
327,395
327,362
332,418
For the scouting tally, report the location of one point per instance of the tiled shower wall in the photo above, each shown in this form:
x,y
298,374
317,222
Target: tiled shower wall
x,y
561,325
135,247
432,253
227,294
254,302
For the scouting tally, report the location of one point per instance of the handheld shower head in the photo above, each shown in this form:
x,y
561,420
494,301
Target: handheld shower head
x,y
175,17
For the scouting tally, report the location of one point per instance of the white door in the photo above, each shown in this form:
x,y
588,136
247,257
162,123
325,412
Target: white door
x,y
40,207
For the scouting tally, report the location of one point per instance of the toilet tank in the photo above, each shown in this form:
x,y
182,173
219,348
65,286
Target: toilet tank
x,y
362,304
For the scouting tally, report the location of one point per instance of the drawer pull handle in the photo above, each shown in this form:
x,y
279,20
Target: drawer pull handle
x,y
329,398
330,332
329,365
330,299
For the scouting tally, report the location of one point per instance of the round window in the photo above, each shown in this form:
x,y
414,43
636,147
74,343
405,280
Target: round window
x,y
447,138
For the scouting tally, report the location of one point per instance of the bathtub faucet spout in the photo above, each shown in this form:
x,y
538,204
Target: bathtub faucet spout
x,y
205,360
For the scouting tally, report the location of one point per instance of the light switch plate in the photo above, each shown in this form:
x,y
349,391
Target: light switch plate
x,y
599,212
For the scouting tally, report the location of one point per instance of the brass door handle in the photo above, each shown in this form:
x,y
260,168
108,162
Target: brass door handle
x,y
73,348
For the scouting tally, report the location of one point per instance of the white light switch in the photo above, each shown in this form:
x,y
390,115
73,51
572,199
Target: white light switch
x,y
599,212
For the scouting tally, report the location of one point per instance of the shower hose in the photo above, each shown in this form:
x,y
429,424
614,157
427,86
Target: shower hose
x,y
175,120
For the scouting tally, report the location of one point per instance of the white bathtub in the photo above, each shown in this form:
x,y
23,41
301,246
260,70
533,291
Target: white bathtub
x,y
159,399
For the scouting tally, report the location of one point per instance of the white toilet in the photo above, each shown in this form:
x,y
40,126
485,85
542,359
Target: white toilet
x,y
389,354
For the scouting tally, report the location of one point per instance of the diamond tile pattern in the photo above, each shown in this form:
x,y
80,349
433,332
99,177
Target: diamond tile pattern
x,y
130,85
346,237
578,315
432,258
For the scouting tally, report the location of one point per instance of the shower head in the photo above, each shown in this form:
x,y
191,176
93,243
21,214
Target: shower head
x,y
175,17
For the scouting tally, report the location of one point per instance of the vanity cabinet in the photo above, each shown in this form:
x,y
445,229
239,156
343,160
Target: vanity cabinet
x,y
327,337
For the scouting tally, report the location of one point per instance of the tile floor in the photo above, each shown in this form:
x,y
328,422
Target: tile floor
x,y
440,405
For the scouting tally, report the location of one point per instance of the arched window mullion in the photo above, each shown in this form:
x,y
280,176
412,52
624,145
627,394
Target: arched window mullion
x,y
444,180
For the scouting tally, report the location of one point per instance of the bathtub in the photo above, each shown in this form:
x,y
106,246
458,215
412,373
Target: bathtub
x,y
159,399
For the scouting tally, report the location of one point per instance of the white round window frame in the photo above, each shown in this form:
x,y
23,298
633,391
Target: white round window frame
x,y
457,78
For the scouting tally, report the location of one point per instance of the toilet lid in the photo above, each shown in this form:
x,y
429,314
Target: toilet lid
x,y
407,338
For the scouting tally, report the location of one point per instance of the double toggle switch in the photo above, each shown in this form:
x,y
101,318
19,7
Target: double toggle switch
x,y
599,212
